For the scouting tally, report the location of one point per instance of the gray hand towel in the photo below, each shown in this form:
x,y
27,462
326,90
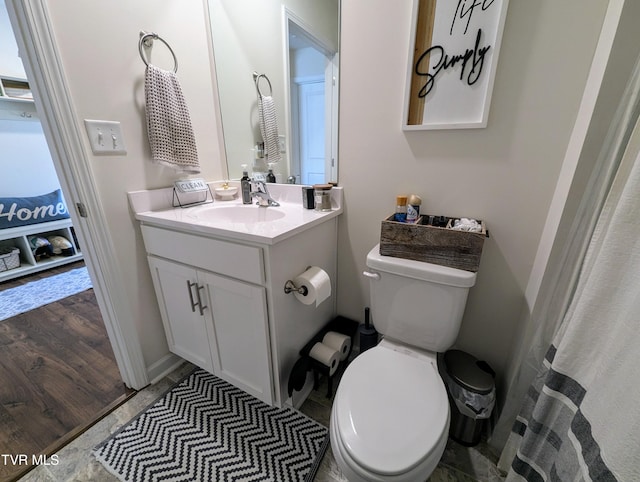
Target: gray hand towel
x,y
168,123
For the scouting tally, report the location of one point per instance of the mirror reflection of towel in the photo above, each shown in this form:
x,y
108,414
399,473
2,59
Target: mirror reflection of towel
x,y
168,122
269,127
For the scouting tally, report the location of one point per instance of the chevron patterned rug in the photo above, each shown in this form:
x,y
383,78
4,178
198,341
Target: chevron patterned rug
x,y
205,429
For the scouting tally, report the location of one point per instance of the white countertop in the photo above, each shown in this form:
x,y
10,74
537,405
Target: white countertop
x,y
151,207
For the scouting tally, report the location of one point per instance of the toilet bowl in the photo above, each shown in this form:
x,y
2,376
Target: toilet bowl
x,y
390,416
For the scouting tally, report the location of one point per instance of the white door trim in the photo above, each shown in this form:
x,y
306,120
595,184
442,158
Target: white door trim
x,y
331,83
39,53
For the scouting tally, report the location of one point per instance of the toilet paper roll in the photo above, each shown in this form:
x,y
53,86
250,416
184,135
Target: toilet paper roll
x,y
326,355
318,285
339,342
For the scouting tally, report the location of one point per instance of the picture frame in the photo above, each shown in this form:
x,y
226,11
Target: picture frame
x,y
453,58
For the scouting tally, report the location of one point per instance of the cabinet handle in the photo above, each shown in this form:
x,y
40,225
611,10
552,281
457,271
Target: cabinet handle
x,y
200,305
193,305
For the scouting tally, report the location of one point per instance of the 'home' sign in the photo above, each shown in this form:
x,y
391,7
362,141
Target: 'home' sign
x,y
22,211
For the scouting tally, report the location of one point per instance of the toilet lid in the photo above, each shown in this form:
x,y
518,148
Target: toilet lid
x,y
391,410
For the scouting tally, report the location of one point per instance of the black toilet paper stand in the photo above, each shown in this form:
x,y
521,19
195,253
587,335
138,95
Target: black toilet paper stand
x,y
298,374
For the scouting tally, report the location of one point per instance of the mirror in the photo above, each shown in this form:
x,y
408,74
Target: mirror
x,y
286,50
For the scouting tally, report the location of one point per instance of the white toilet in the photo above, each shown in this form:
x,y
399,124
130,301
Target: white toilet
x,y
390,415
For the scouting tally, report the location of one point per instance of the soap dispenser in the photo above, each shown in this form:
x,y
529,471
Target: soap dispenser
x,y
270,175
245,186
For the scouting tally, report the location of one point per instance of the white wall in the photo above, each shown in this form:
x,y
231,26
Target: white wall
x,y
10,64
504,174
98,44
307,62
25,164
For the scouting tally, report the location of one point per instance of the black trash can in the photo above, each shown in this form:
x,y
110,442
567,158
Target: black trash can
x,y
472,394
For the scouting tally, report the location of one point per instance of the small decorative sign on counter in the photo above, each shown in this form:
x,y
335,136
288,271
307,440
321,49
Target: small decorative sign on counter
x,y
191,190
191,185
452,63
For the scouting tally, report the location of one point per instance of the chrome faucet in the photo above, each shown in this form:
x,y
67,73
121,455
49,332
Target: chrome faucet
x,y
262,193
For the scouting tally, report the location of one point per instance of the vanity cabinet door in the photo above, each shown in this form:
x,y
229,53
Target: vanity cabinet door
x,y
176,287
240,343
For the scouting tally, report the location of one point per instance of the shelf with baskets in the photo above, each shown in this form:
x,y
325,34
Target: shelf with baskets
x,y
25,261
16,100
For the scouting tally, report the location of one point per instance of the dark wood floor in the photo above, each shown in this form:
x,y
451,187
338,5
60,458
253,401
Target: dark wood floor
x,y
58,376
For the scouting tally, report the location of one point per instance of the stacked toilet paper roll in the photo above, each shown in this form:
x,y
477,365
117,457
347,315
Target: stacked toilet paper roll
x,y
317,284
339,342
326,355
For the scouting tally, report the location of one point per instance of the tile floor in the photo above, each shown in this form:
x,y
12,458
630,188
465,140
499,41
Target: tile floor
x,y
75,462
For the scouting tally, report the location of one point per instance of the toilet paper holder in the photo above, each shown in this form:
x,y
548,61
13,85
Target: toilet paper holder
x,y
305,363
290,287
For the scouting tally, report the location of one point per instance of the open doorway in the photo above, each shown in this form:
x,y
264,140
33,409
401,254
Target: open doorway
x,y
312,76
58,371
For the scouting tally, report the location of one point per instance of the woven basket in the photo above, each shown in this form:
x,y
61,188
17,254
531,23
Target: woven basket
x,y
9,258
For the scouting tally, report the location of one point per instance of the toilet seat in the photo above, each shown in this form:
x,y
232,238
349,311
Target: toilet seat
x,y
391,412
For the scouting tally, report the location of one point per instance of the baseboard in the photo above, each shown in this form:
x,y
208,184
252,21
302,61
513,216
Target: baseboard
x,y
163,367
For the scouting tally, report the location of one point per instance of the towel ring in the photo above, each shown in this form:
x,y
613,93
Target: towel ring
x,y
147,39
256,79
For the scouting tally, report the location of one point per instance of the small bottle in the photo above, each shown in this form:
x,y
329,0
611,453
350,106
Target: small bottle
x,y
270,175
413,208
401,209
322,197
245,186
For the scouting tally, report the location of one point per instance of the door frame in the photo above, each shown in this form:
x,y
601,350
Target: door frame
x,y
31,24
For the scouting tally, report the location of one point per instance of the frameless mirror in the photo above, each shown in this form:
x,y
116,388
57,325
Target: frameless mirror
x,y
287,50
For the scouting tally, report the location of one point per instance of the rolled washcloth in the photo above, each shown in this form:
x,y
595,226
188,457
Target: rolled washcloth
x,y
466,224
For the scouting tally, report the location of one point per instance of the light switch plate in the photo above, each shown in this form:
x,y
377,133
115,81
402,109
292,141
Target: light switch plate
x,y
105,137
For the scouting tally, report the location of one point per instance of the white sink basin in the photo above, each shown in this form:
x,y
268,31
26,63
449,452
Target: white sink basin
x,y
248,214
233,220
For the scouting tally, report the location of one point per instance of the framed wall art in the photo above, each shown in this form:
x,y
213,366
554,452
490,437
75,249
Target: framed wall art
x,y
452,63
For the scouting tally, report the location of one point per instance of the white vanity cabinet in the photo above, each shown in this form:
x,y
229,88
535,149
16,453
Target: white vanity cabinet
x,y
188,325
213,307
233,262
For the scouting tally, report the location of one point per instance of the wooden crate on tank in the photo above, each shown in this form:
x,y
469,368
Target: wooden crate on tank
x,y
432,244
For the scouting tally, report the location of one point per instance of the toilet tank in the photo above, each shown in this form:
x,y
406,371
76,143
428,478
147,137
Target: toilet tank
x,y
417,303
